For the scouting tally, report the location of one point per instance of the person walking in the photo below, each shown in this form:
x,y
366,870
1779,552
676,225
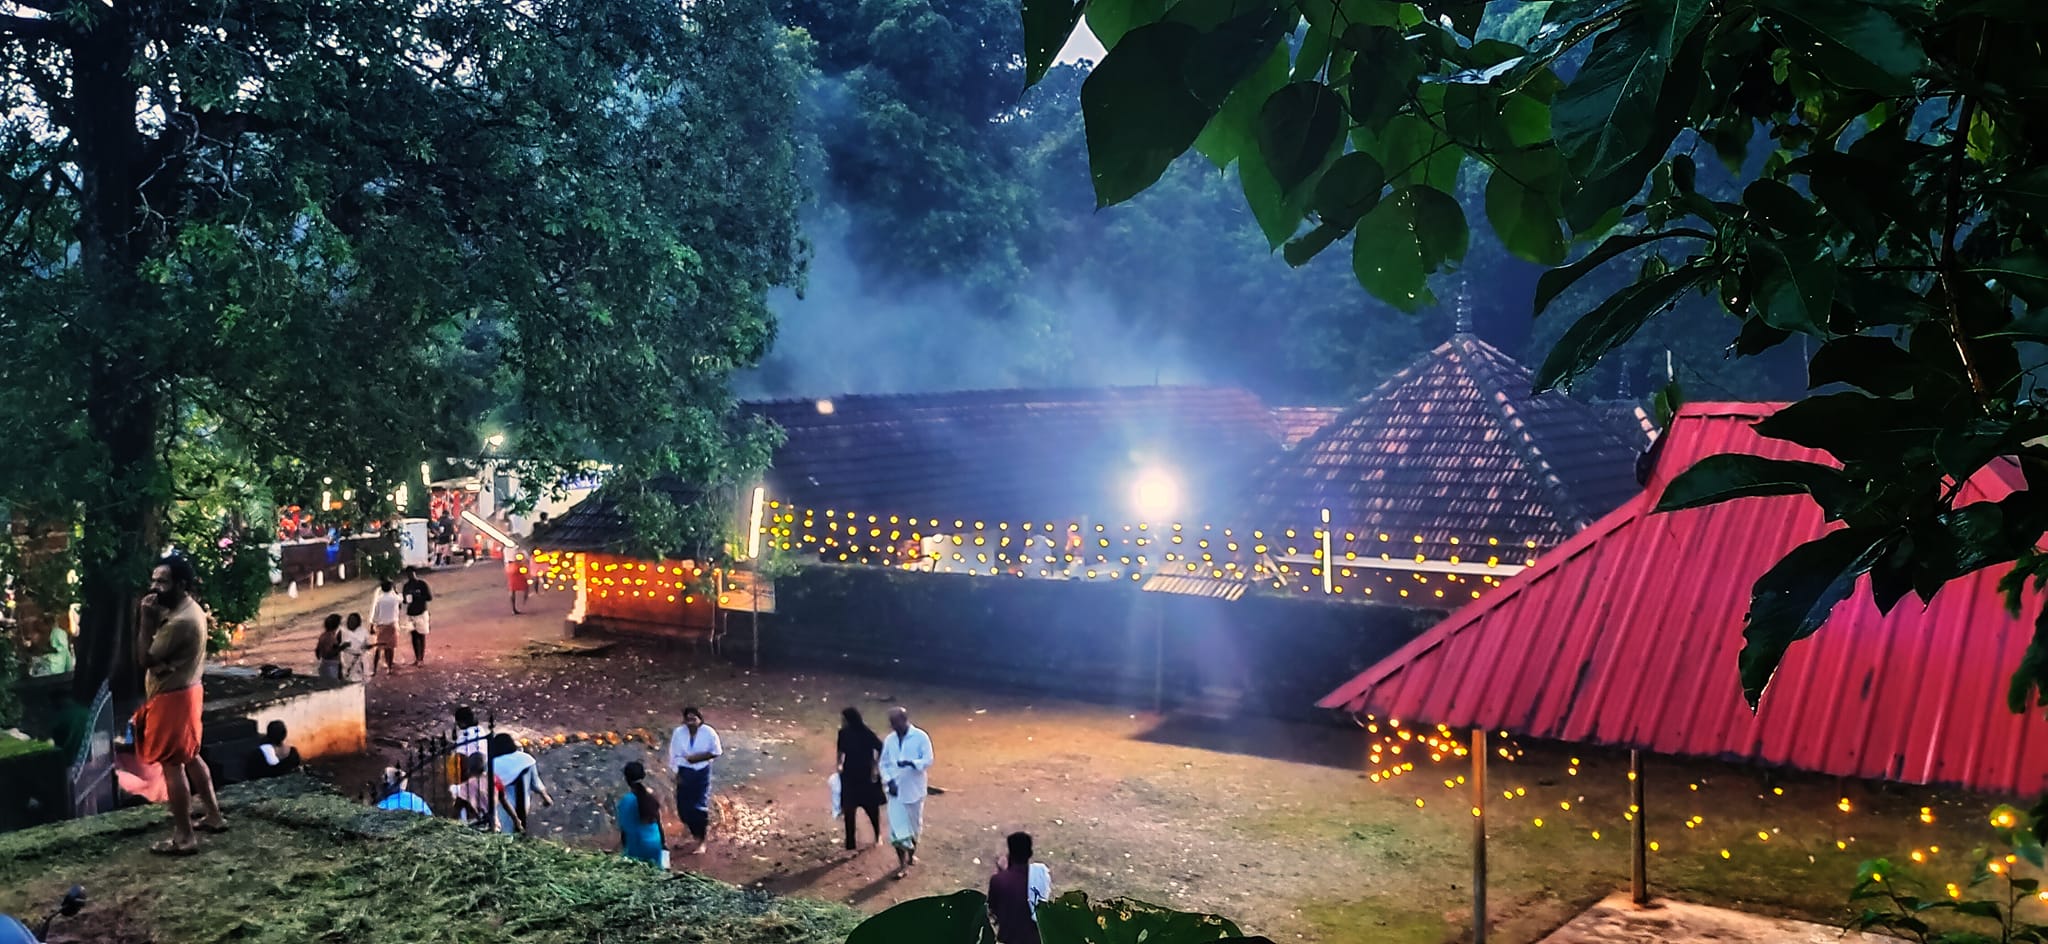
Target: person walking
x,y
639,816
860,773
516,580
328,649
172,651
691,749
906,756
384,622
355,643
515,779
1015,891
416,595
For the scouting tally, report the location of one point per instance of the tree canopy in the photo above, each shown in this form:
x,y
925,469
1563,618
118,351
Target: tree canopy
x,y
1886,169
331,237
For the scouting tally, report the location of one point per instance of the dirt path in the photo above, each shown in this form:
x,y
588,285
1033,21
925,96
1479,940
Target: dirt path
x,y
1272,824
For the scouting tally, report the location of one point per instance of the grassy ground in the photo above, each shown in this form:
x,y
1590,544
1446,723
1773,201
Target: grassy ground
x,y
1275,825
301,865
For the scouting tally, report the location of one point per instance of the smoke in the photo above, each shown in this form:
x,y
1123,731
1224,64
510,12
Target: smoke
x,y
845,336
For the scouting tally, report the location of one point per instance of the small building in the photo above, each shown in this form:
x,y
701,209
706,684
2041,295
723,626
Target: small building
x,y
1627,636
1449,477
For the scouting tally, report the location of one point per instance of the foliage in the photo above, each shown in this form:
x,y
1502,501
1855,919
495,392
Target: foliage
x,y
338,869
1889,169
330,237
382,559
962,918
1896,902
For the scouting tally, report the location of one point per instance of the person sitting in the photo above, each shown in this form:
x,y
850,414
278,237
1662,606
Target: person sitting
x,y
1016,890
273,758
472,791
393,795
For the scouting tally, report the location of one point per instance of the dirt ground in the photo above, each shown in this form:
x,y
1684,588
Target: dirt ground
x,y
1274,825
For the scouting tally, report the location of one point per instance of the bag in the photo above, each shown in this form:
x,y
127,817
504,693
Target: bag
x,y
832,784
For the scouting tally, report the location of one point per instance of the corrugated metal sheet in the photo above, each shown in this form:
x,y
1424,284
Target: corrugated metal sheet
x,y
1207,587
1455,451
1627,635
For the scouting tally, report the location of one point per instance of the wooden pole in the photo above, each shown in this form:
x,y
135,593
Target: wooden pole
x,y
1158,657
1639,867
1478,836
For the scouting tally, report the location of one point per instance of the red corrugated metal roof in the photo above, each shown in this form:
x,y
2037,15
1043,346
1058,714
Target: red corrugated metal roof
x,y
1627,635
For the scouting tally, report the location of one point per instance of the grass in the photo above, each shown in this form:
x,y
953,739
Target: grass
x,y
305,865
11,747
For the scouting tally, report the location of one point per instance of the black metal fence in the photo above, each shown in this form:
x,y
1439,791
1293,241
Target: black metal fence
x,y
445,774
93,789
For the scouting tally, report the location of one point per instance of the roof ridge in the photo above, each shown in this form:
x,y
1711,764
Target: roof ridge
x,y
1075,392
1519,436
1399,379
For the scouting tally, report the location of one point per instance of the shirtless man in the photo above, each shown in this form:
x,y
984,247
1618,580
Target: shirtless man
x,y
173,656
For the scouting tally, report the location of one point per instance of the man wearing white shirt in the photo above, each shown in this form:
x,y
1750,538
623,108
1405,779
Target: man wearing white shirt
x,y
691,749
906,755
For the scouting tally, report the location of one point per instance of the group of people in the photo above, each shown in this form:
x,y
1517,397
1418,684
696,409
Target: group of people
x,y
492,781
344,643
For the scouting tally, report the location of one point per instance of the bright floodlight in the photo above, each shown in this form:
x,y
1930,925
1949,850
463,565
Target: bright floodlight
x,y
1155,495
495,440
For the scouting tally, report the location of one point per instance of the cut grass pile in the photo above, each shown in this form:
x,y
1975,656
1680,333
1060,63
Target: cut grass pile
x,y
302,864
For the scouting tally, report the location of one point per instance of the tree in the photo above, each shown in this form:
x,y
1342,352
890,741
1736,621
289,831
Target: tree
x,y
288,222
1892,224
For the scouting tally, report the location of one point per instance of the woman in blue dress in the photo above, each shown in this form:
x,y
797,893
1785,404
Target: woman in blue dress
x,y
640,819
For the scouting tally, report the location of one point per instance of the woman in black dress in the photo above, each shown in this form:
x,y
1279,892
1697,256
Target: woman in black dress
x,y
860,777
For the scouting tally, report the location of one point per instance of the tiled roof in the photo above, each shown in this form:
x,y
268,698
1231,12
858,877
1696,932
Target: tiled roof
x,y
1006,455
598,525
1453,450
1628,635
1300,422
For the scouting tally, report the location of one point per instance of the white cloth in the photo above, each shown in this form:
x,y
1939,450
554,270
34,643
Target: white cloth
x,y
269,752
914,747
414,624
832,784
906,822
384,609
357,640
681,744
1038,887
472,740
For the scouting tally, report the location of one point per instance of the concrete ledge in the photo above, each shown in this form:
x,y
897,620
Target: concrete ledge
x,y
325,717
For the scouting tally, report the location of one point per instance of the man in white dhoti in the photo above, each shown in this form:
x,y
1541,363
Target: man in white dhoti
x,y
906,755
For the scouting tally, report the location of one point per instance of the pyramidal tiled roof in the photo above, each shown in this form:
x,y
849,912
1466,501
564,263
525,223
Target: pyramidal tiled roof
x,y
1456,452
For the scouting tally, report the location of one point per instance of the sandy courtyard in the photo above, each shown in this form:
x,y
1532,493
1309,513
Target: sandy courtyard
x,y
1275,825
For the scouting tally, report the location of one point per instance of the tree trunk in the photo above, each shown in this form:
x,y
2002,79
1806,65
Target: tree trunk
x,y
124,507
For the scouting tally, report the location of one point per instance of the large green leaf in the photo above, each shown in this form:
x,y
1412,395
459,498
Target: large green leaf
x,y
959,918
1349,189
1552,283
1792,599
1794,290
1073,919
1867,363
1301,249
1729,476
1109,20
1234,130
1138,112
2024,274
1389,252
1278,211
1440,228
1299,128
1047,24
2032,675
1384,76
1412,147
1604,119
1523,204
1853,42
1616,320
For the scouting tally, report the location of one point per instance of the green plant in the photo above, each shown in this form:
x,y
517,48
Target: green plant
x,y
1896,901
1860,176
962,918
